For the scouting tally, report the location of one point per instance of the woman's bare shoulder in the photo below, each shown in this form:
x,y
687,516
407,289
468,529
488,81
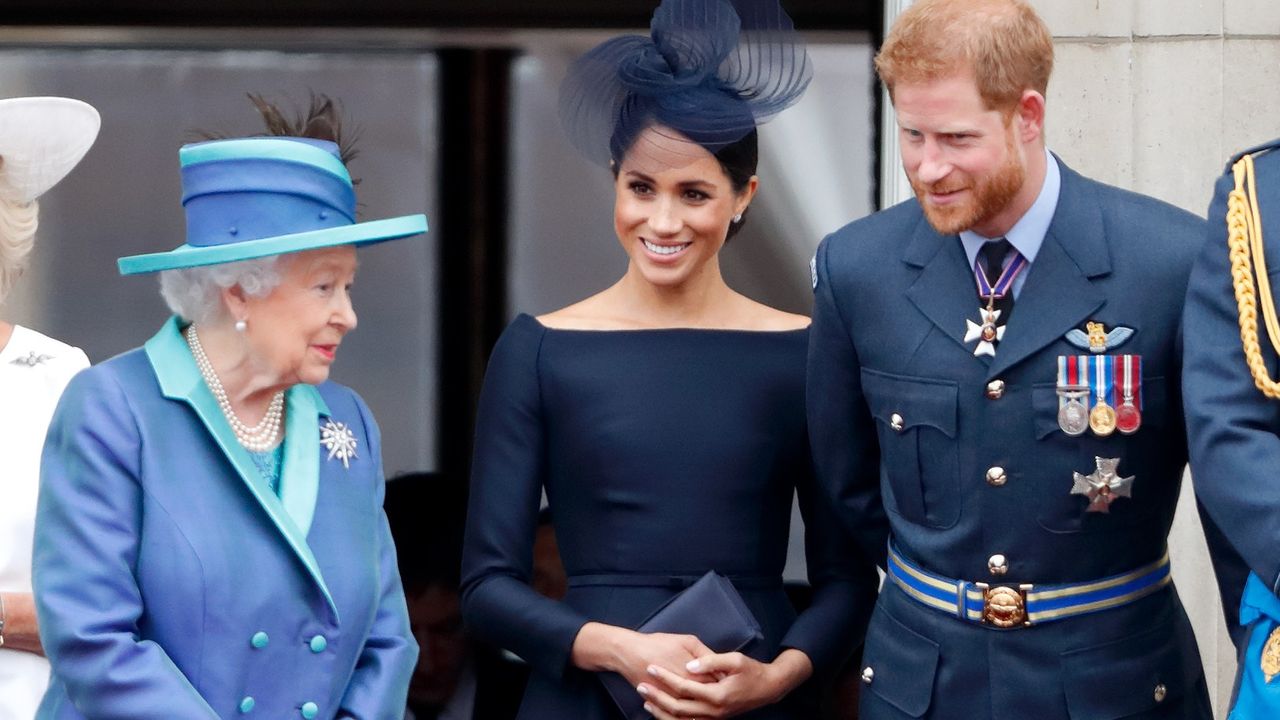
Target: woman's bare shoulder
x,y
593,313
766,318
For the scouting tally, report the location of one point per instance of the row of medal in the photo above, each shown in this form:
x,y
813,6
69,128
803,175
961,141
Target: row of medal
x,y
1102,393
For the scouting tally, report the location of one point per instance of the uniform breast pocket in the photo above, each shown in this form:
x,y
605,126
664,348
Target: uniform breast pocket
x,y
1061,510
919,460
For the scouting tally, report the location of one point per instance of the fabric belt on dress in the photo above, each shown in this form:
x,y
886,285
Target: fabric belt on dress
x,y
1021,605
676,582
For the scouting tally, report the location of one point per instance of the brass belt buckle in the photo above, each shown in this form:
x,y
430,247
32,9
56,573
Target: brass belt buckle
x,y
1004,606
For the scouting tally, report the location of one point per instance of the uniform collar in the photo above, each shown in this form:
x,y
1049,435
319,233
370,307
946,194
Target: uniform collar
x,y
1026,235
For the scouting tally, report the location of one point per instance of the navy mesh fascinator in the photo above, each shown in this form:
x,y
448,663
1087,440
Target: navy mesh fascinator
x,y
711,70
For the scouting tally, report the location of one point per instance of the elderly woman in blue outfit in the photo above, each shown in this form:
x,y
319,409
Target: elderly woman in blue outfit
x,y
210,536
663,417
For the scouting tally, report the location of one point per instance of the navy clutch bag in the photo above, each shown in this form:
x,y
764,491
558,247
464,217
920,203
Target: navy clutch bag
x,y
710,609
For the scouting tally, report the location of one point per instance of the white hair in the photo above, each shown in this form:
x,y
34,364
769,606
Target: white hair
x,y
17,237
195,294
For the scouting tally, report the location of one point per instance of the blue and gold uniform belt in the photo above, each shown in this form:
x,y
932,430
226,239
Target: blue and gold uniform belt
x,y
1013,606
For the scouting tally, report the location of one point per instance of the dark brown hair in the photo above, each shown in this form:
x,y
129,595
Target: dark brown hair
x,y
322,120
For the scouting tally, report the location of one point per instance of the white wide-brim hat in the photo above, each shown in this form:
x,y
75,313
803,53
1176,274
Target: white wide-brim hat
x,y
41,140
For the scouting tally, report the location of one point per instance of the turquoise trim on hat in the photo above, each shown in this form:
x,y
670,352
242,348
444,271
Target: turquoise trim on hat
x,y
289,150
186,256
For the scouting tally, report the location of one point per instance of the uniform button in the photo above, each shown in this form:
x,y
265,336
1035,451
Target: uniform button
x,y
310,710
246,705
868,675
995,389
1160,692
996,477
896,422
318,644
259,640
998,565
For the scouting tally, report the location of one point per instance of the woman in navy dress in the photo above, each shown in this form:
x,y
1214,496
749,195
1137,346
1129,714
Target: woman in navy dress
x,y
663,417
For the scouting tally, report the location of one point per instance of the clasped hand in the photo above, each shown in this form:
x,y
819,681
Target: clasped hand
x,y
721,685
679,677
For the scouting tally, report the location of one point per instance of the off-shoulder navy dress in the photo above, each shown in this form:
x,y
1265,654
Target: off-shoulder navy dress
x,y
664,454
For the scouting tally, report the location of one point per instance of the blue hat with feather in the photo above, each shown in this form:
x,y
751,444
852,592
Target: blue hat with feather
x,y
252,197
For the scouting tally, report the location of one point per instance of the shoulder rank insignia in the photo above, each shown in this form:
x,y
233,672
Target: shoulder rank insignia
x,y
1098,339
813,271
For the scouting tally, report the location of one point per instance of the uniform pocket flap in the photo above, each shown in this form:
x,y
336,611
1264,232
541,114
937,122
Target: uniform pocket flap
x,y
912,401
1128,676
903,664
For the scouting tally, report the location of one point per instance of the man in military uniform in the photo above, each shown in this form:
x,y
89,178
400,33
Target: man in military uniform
x,y
994,397
1233,402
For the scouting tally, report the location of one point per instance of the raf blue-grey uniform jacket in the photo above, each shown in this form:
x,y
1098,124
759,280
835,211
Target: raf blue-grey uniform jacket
x,y
172,583
892,300
1234,430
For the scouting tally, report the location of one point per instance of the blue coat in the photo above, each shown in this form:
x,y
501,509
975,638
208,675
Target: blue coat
x,y
1234,429
905,427
172,583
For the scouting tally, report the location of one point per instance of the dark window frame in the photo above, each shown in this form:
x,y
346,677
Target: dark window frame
x,y
559,14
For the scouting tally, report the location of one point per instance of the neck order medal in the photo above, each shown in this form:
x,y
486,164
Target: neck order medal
x,y
988,333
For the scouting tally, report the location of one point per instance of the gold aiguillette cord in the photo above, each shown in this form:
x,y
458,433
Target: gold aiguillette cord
x,y
1244,239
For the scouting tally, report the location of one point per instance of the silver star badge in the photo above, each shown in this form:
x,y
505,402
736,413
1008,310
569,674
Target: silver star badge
x,y
987,334
31,359
1103,486
340,442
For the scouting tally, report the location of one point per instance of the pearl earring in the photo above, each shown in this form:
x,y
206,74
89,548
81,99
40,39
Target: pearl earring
x,y
241,325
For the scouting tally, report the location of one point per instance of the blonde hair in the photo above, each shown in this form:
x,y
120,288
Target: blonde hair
x,y
17,236
1004,43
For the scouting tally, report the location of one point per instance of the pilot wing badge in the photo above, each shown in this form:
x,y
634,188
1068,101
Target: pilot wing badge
x,y
1096,339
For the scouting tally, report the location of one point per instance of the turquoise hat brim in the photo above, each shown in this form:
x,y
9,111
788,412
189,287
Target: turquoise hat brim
x,y
187,256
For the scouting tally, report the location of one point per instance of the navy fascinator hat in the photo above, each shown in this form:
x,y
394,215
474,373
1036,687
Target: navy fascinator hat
x,y
711,70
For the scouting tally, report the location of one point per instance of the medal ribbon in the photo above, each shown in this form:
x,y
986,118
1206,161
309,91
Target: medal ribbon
x,y
1102,365
1129,378
1062,380
1002,285
1069,371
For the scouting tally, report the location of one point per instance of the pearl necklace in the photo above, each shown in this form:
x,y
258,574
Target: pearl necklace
x,y
260,437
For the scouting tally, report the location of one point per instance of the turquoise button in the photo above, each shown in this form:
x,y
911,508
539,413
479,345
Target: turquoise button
x,y
310,710
246,705
259,640
318,644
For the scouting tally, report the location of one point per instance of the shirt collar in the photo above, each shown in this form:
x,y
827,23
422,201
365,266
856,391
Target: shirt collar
x,y
1026,235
